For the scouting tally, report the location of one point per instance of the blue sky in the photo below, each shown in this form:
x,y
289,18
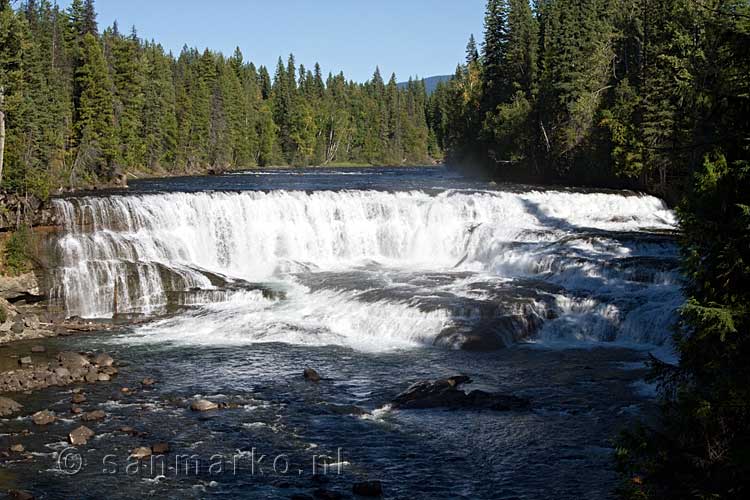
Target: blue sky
x,y
409,37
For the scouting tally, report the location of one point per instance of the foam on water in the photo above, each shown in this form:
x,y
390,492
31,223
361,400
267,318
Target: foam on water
x,y
134,253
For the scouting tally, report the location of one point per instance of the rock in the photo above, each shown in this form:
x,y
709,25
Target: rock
x,y
38,349
160,448
44,417
203,405
80,436
125,390
323,494
91,377
25,361
32,322
73,360
148,382
368,489
17,448
17,327
8,407
78,398
311,375
140,453
94,416
103,377
13,287
445,393
103,360
20,495
128,430
76,410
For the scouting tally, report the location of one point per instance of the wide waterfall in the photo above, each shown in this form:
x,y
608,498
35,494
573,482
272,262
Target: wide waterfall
x,y
375,269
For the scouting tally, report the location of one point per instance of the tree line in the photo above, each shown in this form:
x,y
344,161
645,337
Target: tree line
x,y
652,94
81,106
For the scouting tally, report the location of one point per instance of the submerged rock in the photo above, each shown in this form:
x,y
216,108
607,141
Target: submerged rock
x,y
203,405
368,489
8,407
80,436
20,495
446,393
94,416
311,375
160,448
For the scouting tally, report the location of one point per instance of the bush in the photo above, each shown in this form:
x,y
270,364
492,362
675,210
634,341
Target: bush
x,y
16,255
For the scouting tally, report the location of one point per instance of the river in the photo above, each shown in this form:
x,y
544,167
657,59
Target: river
x,y
377,278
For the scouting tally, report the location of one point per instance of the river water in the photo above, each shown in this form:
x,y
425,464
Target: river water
x,y
377,278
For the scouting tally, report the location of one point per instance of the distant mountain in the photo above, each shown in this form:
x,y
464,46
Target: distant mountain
x,y
431,83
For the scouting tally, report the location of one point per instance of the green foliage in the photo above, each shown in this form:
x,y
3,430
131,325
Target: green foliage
x,y
82,106
16,255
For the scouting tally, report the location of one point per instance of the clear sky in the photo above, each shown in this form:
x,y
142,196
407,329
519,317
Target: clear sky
x,y
408,37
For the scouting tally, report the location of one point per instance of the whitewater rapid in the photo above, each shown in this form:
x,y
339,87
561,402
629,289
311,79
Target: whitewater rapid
x,y
372,269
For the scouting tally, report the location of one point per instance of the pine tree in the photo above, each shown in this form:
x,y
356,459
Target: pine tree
x,y
472,53
95,130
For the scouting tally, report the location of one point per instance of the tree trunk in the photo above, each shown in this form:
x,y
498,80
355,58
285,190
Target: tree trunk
x,y
2,130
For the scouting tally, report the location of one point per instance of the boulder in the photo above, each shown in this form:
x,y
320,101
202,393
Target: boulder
x,y
44,417
103,377
140,453
94,416
446,393
25,361
80,436
311,375
203,405
148,382
17,448
73,360
160,448
20,495
38,349
103,360
78,398
368,489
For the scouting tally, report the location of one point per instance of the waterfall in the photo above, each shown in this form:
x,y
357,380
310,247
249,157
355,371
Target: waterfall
x,y
606,261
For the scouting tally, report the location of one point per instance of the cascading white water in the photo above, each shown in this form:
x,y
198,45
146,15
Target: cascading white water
x,y
133,253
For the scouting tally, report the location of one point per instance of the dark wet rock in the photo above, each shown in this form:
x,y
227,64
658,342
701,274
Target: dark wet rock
x,y
20,495
94,416
148,382
141,452
446,393
17,448
311,375
323,494
78,398
346,409
8,407
38,349
17,327
44,417
368,489
203,405
160,448
76,410
80,436
128,430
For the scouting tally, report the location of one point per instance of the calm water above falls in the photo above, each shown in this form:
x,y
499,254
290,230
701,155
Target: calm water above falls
x,y
376,277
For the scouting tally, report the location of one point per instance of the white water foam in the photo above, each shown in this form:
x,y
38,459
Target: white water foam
x,y
133,253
